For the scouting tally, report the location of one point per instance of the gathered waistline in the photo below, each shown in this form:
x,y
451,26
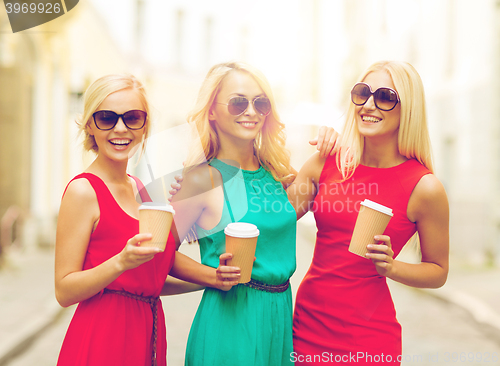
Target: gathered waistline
x,y
152,301
257,285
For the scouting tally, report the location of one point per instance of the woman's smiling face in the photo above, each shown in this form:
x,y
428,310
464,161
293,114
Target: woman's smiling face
x,y
247,125
373,122
119,142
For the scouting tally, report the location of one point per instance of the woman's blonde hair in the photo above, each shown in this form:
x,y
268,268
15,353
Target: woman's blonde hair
x,y
95,95
269,146
413,135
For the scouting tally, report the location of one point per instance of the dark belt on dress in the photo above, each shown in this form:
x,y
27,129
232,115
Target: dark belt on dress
x,y
153,302
257,285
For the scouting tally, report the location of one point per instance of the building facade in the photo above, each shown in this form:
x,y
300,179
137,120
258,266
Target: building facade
x,y
311,51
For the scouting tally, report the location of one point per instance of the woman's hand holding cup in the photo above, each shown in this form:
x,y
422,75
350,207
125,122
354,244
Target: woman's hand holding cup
x,y
226,276
381,255
133,254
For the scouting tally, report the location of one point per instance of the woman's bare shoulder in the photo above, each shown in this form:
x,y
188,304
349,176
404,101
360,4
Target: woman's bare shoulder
x,y
79,201
80,190
429,188
428,198
198,181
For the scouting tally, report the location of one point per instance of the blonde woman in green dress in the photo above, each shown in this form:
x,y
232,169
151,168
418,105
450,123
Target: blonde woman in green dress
x,y
244,180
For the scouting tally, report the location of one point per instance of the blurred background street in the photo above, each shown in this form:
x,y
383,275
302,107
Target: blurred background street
x,y
312,52
435,331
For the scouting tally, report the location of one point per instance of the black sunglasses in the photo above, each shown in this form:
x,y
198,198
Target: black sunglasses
x,y
106,120
238,105
385,99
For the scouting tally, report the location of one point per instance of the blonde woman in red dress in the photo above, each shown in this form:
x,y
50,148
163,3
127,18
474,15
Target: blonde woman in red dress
x,y
100,262
344,312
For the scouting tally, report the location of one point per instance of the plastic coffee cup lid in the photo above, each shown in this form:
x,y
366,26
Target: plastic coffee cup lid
x,y
157,206
377,207
241,230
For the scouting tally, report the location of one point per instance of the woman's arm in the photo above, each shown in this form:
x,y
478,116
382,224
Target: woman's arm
x,y
194,199
223,277
428,208
326,142
174,286
191,201
79,210
303,190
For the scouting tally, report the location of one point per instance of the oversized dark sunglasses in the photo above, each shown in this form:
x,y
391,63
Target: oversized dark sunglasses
x,y
385,99
238,105
106,120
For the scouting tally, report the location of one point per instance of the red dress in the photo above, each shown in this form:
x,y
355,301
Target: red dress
x,y
344,311
110,328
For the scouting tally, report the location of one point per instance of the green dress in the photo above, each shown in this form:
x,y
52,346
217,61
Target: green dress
x,y
247,326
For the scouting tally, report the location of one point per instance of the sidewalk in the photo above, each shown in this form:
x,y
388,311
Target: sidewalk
x,y
27,300
30,315
28,306
472,289
476,291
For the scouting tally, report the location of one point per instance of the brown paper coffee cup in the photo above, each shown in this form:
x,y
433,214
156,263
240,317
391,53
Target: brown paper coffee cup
x,y
157,220
241,242
372,220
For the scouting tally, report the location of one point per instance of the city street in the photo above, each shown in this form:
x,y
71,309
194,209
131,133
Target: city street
x,y
434,332
434,81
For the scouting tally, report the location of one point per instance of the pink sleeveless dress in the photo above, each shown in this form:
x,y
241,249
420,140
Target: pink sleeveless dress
x,y
344,312
110,328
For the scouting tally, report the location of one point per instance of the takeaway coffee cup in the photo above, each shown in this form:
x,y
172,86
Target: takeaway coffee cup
x,y
155,218
241,241
372,220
